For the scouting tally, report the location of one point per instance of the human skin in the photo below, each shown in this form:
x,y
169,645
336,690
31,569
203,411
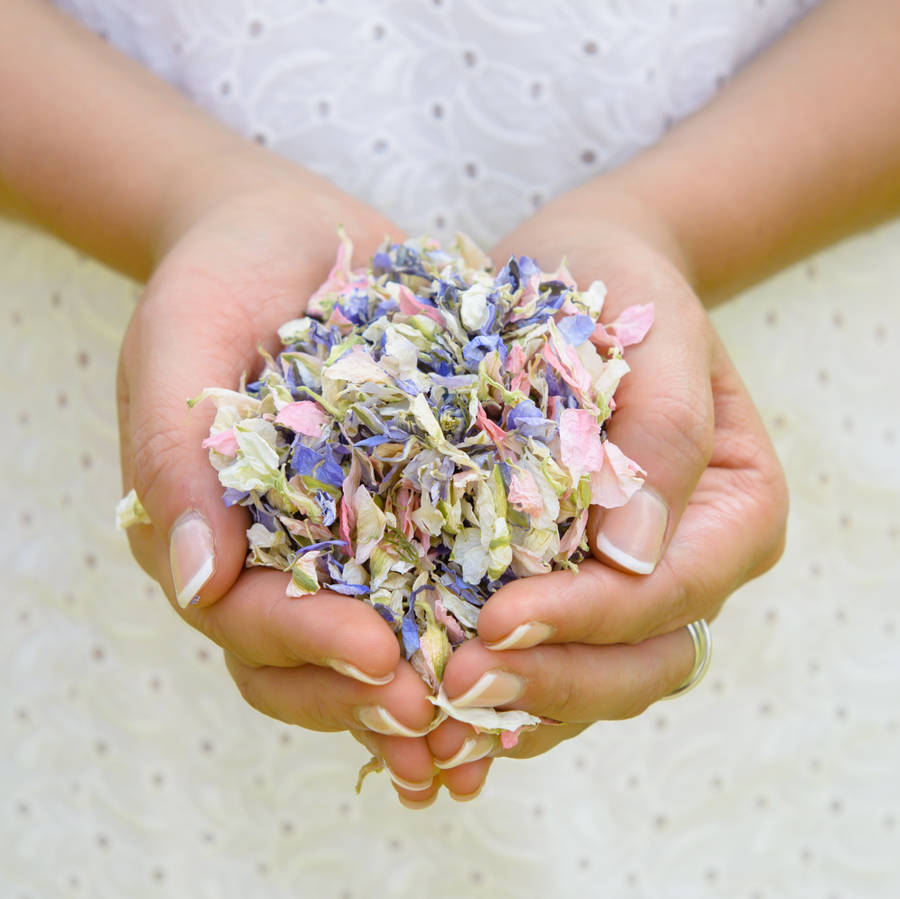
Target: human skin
x,y
802,147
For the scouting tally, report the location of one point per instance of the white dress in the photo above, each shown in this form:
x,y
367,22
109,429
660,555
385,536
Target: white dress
x,y
129,766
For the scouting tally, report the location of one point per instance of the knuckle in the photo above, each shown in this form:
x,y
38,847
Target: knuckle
x,y
635,704
248,686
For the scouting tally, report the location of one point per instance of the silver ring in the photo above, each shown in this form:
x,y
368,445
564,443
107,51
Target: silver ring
x,y
702,641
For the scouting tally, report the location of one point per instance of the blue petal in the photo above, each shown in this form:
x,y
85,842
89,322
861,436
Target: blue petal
x,y
409,630
330,472
381,263
349,589
576,328
526,418
264,517
320,545
305,459
328,505
385,612
232,496
478,347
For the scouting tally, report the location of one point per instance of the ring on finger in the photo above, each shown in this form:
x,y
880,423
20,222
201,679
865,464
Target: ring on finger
x,y
702,643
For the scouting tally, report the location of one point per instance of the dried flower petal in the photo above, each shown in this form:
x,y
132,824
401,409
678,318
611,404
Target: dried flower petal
x,y
428,433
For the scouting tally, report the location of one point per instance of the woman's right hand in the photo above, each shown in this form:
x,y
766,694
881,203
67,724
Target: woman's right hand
x,y
250,240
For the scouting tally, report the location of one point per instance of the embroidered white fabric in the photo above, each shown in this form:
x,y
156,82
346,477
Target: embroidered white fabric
x,y
131,767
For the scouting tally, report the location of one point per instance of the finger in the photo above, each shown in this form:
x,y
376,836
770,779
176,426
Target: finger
x,y
572,683
409,765
663,420
463,757
320,699
258,622
180,351
732,530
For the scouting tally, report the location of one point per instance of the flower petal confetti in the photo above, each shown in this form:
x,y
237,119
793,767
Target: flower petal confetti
x,y
429,432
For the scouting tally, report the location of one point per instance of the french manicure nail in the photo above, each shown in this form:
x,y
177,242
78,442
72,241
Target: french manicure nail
x,y
492,689
524,636
631,536
473,749
191,556
416,804
412,785
380,720
466,797
349,670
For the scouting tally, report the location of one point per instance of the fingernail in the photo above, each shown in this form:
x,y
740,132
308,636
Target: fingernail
x,y
466,797
632,535
524,636
492,689
380,720
412,785
349,670
191,555
472,750
416,804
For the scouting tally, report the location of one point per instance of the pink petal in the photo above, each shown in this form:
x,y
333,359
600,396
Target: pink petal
x,y
532,289
411,305
509,738
224,442
579,438
572,539
617,481
526,563
521,383
348,510
454,630
633,324
602,338
338,319
571,370
304,417
338,278
524,494
516,359
494,431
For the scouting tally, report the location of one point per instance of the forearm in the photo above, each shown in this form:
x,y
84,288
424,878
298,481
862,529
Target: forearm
x,y
802,148
95,148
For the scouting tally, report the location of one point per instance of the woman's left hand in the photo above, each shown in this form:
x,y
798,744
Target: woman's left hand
x,y
607,642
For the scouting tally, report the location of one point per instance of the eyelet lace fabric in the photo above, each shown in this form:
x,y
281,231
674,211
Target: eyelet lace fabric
x,y
131,767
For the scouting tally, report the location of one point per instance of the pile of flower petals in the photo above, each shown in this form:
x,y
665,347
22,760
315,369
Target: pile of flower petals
x,y
429,432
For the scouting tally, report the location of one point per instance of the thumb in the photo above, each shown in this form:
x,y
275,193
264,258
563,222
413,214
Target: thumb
x,y
195,546
664,422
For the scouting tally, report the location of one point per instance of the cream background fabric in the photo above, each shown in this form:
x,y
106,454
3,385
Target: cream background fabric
x,y
129,766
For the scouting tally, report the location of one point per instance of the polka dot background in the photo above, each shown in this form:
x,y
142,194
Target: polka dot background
x,y
129,765
127,757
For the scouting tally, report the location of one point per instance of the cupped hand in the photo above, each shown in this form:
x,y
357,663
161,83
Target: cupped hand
x,y
242,259
608,641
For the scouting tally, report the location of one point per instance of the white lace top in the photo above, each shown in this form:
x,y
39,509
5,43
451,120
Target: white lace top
x,y
129,766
